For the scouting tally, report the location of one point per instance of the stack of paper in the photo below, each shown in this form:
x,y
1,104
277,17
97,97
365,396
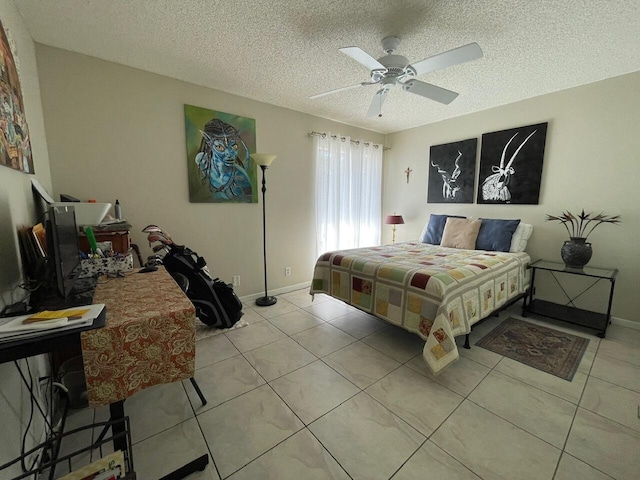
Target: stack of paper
x,y
24,326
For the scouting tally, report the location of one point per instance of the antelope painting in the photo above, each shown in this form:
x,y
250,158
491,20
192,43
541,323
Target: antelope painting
x,y
452,172
450,188
495,186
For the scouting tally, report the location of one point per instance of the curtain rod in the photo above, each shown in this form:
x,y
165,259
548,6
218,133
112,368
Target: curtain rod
x,y
357,142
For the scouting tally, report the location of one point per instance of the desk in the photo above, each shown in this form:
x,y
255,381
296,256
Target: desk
x,y
50,342
149,339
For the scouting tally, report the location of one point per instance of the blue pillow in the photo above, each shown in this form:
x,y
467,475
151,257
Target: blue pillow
x,y
495,235
433,233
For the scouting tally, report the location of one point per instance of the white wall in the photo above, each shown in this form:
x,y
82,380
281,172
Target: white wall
x,y
17,209
117,132
16,200
591,161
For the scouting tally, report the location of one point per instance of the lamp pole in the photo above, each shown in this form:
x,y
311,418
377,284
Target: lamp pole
x,y
264,161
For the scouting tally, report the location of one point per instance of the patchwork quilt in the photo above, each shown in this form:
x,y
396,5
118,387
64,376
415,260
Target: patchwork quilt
x,y
433,291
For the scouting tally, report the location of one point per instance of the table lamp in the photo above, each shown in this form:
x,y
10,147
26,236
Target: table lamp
x,y
394,220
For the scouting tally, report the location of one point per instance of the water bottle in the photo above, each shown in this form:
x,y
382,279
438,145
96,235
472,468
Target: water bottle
x,y
117,210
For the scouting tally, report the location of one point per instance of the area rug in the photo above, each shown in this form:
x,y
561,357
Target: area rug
x,y
543,348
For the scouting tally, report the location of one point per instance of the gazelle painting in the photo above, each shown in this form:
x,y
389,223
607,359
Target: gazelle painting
x,y
496,186
449,186
511,165
452,176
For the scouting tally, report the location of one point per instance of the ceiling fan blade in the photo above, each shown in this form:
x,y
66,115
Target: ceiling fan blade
x,y
423,89
363,58
456,56
313,97
375,109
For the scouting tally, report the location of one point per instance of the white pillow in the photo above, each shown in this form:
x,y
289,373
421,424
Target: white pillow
x,y
424,232
521,237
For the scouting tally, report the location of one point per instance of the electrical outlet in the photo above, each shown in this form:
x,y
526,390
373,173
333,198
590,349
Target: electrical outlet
x,y
287,271
236,280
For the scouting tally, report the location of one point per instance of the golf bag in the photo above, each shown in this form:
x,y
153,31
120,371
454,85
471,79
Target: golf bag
x,y
215,302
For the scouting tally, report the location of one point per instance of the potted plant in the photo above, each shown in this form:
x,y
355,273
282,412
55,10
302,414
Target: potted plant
x,y
576,252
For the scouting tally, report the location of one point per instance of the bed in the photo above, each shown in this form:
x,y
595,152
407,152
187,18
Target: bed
x,y
436,290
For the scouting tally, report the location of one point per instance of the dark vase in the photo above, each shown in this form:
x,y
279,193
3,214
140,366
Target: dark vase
x,y
576,252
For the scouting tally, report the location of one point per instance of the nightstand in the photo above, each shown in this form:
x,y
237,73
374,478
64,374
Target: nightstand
x,y
569,312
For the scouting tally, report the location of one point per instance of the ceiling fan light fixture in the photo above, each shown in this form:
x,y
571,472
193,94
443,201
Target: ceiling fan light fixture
x,y
389,82
392,69
395,63
377,75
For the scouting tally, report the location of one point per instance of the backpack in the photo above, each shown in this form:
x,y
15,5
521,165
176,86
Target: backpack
x,y
217,305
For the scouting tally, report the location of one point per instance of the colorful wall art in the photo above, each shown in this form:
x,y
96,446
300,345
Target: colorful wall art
x,y
15,146
218,148
452,172
511,165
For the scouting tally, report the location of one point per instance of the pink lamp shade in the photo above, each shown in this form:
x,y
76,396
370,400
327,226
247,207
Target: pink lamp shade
x,y
394,220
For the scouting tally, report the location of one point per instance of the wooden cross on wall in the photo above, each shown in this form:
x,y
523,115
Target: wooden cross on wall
x,y
408,172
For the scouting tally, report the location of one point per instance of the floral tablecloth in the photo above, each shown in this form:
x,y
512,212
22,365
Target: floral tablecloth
x,y
148,339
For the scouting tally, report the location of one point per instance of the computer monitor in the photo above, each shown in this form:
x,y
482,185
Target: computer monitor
x,y
63,251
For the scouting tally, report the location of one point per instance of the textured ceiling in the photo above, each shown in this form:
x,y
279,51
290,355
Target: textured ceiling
x,y
282,51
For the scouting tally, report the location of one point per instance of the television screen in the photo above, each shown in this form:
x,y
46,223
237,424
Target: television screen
x,y
64,251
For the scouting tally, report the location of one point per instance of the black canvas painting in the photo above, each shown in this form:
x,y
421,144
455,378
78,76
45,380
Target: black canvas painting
x,y
452,172
511,165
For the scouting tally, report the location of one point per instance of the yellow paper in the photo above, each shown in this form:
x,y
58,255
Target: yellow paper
x,y
51,314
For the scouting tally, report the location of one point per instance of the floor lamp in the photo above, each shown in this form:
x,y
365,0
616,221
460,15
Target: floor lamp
x,y
264,160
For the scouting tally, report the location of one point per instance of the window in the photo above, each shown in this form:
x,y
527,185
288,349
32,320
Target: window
x,y
348,193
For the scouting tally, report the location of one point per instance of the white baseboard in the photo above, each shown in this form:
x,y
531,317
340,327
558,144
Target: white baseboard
x,y
291,288
623,322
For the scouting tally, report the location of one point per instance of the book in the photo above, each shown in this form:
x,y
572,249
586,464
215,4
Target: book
x,y
110,467
40,237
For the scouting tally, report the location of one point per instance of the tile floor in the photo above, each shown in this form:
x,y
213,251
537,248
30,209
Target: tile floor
x,y
321,390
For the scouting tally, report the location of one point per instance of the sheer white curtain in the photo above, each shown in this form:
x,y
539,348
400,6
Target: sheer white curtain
x,y
348,193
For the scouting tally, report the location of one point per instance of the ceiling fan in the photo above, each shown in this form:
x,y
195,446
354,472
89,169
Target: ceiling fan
x,y
392,70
